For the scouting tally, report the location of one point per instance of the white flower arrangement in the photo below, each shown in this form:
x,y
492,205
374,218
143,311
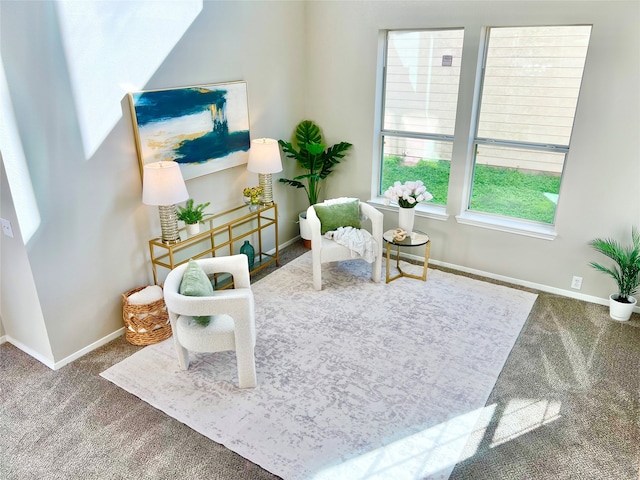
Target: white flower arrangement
x,y
407,194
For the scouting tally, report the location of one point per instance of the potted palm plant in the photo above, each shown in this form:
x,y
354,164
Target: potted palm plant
x,y
317,161
192,216
626,272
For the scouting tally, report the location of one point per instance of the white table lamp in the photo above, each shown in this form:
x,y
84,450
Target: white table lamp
x,y
264,159
164,186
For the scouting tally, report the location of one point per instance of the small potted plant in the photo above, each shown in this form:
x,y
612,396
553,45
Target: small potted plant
x,y
626,272
192,216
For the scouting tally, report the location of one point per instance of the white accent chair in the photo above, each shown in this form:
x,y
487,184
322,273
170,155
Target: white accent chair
x,y
325,250
232,326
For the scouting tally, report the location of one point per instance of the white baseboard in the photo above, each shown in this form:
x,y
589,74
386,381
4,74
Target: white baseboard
x,y
29,351
3,339
88,348
285,244
516,281
56,365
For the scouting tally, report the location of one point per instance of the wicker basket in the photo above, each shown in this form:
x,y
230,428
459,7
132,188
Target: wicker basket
x,y
145,324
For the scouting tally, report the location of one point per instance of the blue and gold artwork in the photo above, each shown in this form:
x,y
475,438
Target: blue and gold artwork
x,y
204,128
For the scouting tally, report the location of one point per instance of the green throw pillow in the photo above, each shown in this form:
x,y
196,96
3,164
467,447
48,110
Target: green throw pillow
x,y
345,214
195,283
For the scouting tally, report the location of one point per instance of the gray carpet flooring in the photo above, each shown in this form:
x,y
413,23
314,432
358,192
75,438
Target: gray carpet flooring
x,y
566,406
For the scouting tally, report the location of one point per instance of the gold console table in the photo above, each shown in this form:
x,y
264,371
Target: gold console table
x,y
224,234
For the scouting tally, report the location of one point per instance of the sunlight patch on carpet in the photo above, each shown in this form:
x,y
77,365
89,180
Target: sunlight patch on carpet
x,y
522,415
427,454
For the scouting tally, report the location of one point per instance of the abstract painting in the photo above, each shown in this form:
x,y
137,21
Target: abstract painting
x,y
204,128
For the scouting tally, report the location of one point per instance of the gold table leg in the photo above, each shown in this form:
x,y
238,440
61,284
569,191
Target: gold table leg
x,y
425,266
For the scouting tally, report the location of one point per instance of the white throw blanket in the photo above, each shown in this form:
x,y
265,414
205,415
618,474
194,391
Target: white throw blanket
x,y
358,240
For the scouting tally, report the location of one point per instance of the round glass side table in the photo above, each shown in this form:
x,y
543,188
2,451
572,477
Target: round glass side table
x,y
416,239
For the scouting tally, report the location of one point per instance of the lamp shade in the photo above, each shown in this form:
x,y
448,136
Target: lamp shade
x,y
264,156
163,184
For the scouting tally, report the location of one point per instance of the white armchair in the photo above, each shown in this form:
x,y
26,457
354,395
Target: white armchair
x,y
232,326
326,250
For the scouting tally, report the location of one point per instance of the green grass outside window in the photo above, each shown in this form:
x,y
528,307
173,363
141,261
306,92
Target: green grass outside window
x,y
502,191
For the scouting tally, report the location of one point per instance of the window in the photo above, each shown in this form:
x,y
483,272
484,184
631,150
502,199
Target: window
x,y
422,73
530,88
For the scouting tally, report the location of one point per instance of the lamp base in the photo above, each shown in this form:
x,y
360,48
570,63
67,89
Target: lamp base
x,y
264,181
169,224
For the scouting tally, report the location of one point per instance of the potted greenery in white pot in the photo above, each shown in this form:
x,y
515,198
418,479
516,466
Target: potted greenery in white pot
x,y
192,216
626,272
313,156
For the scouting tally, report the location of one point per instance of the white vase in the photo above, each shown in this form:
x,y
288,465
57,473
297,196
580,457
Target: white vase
x,y
193,228
406,217
620,311
305,229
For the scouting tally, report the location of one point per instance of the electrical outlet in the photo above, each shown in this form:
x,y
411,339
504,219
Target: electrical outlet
x,y
6,227
576,283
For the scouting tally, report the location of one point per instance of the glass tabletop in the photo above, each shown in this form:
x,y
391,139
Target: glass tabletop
x,y
416,239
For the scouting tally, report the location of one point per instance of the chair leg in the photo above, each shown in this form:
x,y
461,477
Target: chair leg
x,y
317,275
376,269
182,353
246,368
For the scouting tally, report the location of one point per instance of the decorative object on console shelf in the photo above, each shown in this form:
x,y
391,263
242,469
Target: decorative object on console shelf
x,y
626,272
264,159
252,196
204,128
164,186
407,195
192,216
248,250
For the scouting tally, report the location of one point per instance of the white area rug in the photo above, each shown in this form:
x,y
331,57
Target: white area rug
x,y
357,381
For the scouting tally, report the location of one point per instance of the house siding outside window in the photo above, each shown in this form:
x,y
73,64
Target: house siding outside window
x,y
530,88
422,77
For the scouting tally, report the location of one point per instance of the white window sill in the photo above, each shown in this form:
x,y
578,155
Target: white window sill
x,y
536,230
435,212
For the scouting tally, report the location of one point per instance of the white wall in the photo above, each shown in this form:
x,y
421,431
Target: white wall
x,y
91,244
17,289
600,194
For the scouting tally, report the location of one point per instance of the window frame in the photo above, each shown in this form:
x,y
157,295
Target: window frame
x,y
434,211
494,220
465,140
